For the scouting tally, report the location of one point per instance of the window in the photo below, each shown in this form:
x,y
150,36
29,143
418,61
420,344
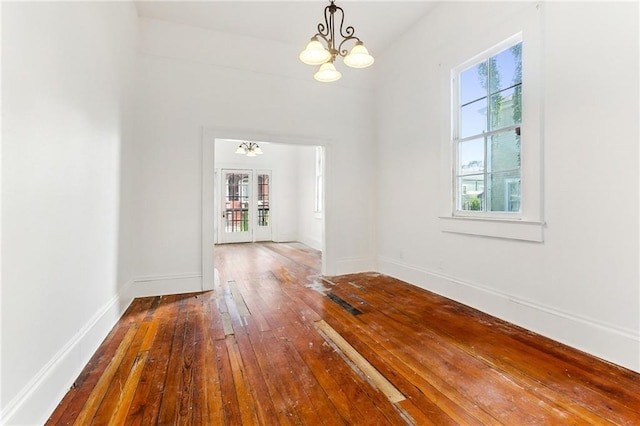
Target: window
x,y
487,99
491,157
318,182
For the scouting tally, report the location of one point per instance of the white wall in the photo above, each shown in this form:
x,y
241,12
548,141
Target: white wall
x,y
580,286
66,73
191,78
310,227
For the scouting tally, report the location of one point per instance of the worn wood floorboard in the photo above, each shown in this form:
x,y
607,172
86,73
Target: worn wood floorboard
x,y
251,352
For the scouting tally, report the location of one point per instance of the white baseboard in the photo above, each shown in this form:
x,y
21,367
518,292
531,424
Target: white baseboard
x,y
612,343
39,398
354,265
166,284
285,238
311,242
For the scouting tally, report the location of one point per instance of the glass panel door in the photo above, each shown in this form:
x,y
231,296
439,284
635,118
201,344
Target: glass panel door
x,y
263,205
236,206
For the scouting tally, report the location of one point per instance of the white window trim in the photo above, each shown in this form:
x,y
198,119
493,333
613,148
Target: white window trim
x,y
528,224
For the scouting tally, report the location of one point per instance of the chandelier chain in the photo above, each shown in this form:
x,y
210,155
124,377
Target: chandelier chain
x,y
327,31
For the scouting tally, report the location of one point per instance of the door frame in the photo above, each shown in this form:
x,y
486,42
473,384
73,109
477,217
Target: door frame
x,y
209,181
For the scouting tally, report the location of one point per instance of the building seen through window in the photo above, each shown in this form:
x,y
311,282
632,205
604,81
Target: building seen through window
x,y
487,132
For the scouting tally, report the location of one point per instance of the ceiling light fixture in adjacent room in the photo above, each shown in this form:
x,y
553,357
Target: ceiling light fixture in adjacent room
x,y
250,149
317,54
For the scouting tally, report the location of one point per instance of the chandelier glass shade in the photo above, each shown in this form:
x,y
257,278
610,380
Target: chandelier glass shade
x,y
327,73
250,149
358,57
324,54
315,53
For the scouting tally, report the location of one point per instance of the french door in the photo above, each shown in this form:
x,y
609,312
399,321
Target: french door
x,y
263,206
246,206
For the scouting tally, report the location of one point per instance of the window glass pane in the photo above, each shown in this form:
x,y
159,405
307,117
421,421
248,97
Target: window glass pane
x,y
490,100
471,156
503,152
506,108
504,192
263,200
473,84
505,68
237,202
473,118
471,192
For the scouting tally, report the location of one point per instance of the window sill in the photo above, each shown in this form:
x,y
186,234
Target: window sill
x,y
510,229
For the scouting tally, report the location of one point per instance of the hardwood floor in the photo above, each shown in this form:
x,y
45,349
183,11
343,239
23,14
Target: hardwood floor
x,y
275,343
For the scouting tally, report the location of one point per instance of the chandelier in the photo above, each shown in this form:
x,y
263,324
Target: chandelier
x,y
317,54
250,149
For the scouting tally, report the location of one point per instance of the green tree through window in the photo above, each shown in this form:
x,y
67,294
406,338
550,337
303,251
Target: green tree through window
x,y
488,137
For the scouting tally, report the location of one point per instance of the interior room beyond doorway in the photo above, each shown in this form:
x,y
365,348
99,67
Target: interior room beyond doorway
x,y
274,193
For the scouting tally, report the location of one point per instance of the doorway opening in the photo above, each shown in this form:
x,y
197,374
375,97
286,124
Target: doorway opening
x,y
277,196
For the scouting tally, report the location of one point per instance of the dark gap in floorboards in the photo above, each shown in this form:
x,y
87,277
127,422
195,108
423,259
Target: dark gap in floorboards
x,y
348,307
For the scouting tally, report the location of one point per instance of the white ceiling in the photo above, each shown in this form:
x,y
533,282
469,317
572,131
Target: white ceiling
x,y
377,23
